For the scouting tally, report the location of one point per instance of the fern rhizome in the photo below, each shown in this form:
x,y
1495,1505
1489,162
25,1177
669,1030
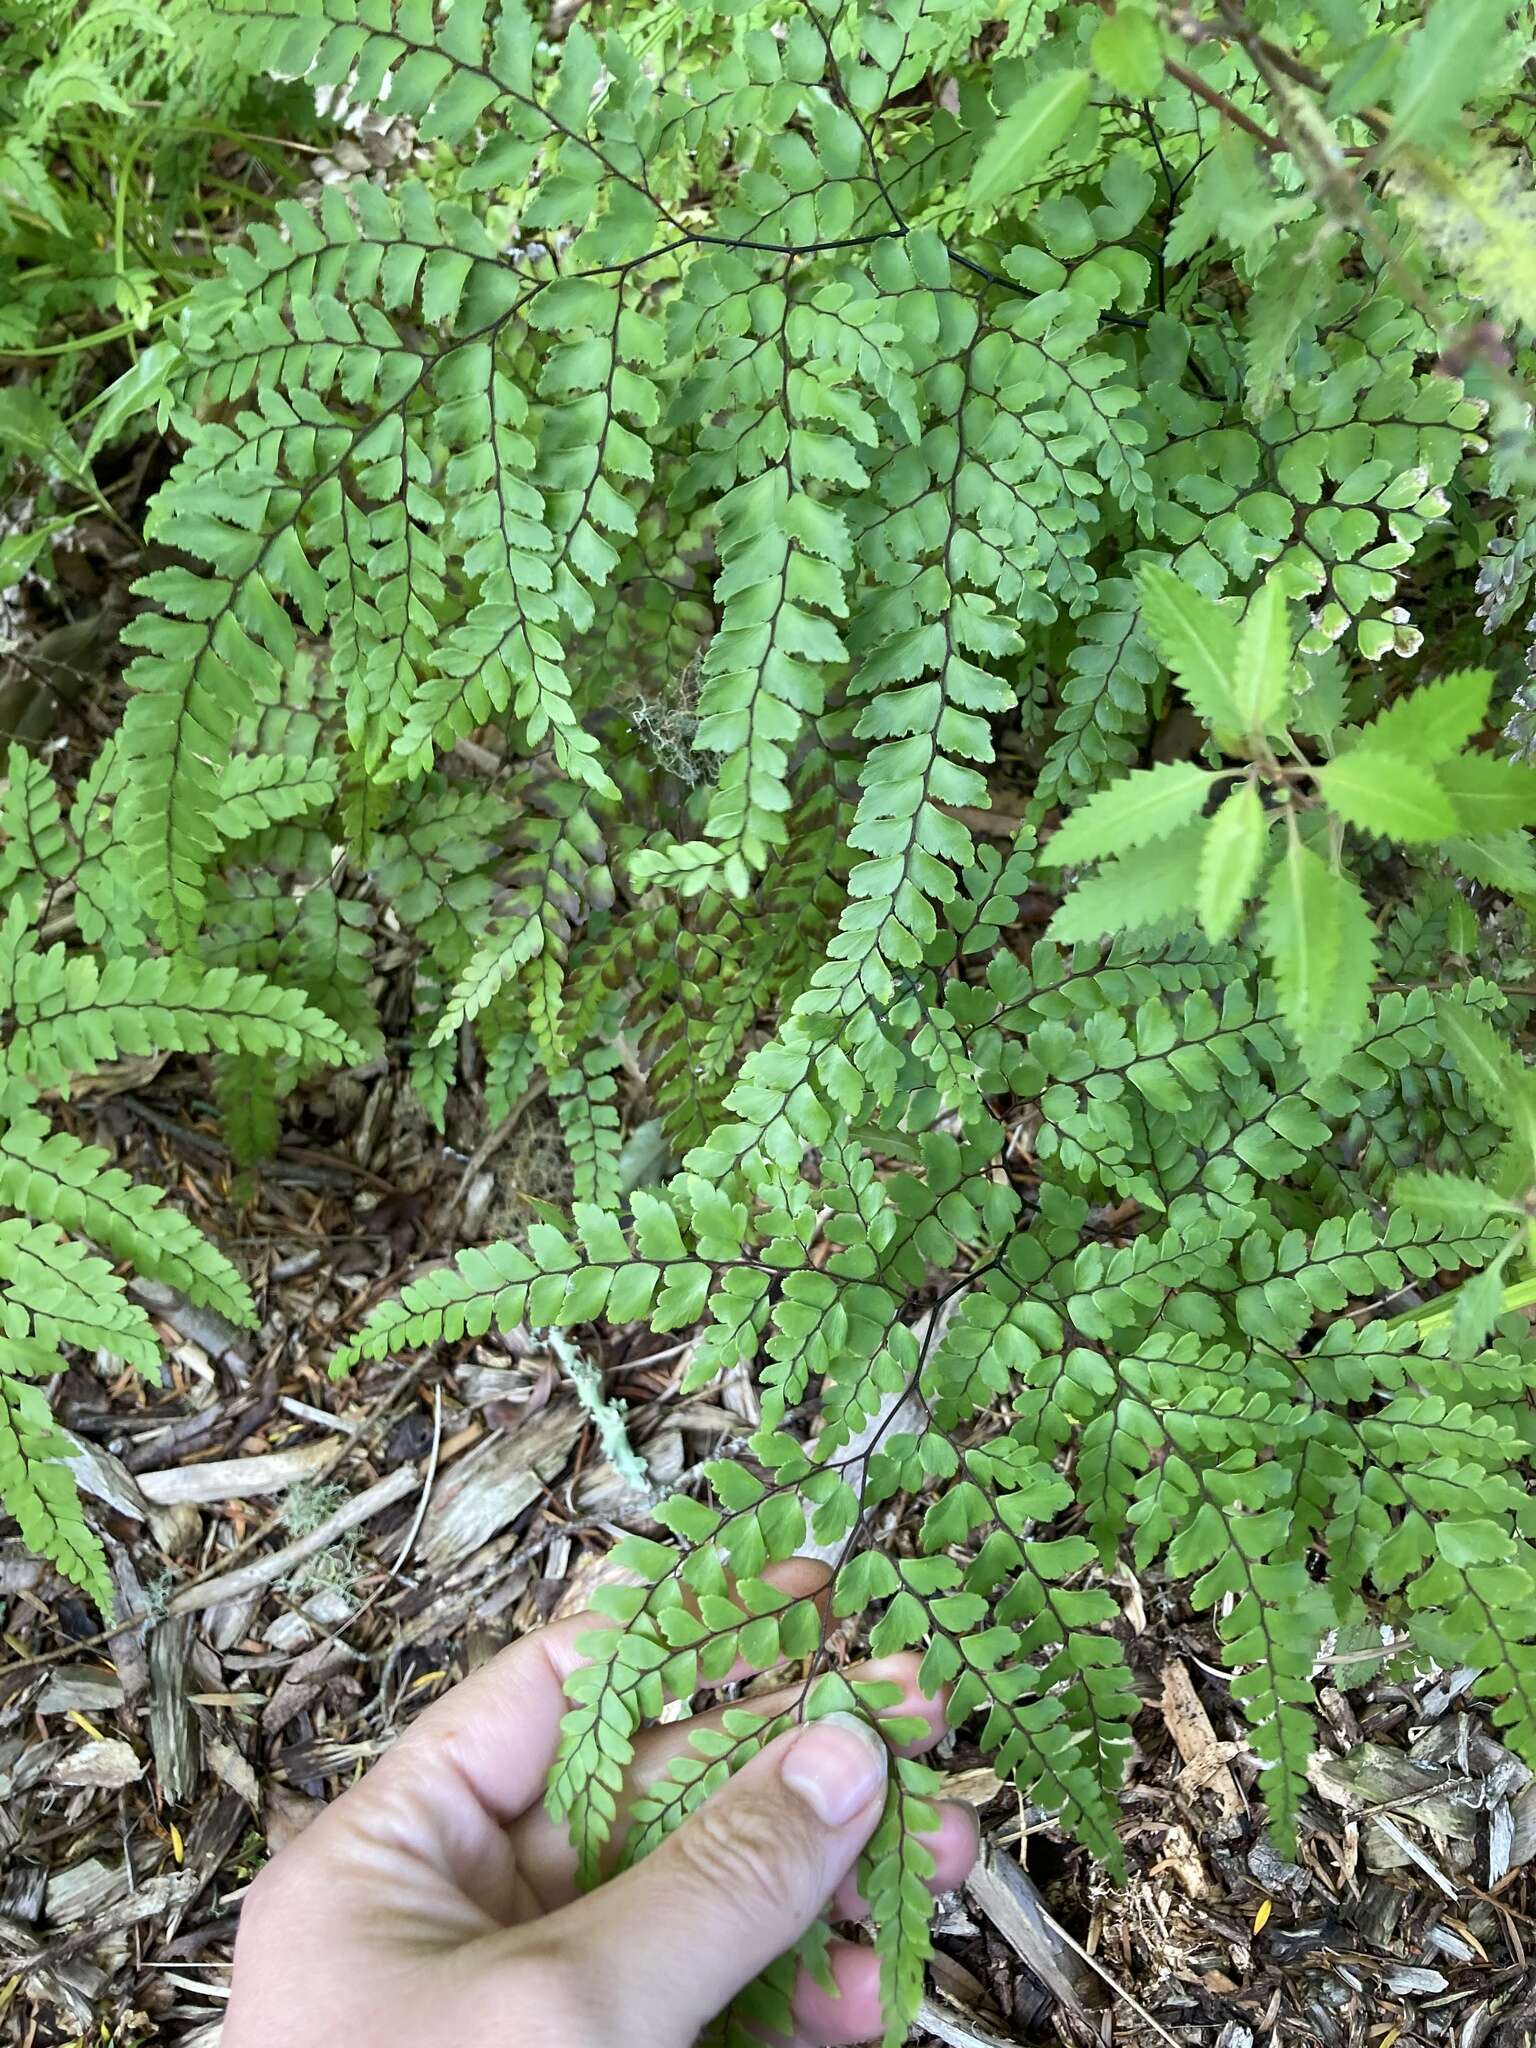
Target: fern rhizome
x,y
609,555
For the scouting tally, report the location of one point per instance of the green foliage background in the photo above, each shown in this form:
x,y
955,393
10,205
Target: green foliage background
x,y
628,550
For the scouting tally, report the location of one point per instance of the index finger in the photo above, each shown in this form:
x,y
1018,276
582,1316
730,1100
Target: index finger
x,y
495,1734
497,1731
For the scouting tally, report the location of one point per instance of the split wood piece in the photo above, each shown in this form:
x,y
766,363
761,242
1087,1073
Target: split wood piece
x,y
84,1890
1001,1889
603,1494
125,1651
88,1689
957,2028
107,1763
106,1478
1075,1978
1206,1759
173,1730
154,1899
493,1484
219,1824
302,1681
235,1478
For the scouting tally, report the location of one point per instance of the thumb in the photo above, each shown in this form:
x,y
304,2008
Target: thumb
x,y
744,1876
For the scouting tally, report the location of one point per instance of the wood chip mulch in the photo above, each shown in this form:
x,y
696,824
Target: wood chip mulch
x,y
303,1564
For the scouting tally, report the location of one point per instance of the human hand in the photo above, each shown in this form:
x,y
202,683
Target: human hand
x,y
435,1903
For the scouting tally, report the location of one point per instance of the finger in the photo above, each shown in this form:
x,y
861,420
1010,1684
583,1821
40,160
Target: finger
x,y
739,1882
953,1845
852,2012
544,1847
424,1833
497,1730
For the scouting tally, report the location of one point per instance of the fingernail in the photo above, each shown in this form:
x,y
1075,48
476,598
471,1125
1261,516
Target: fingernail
x,y
836,1765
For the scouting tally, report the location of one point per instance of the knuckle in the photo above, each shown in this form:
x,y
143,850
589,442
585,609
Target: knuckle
x,y
741,1847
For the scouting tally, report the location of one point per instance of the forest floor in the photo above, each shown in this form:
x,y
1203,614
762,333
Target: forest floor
x,y
303,1565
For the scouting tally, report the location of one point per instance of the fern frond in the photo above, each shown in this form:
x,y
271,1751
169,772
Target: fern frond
x,y
73,1016
36,1485
31,824
52,1177
57,1294
585,1103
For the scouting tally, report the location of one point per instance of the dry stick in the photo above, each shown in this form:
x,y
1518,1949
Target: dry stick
x,y
410,1535
959,2028
1193,82
1001,1878
1258,46
1115,1986
258,1535
250,1578
421,1506
1327,181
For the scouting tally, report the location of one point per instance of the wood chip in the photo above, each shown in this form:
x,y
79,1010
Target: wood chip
x,y
476,1498
1206,1759
231,1769
87,1689
172,1728
978,1786
1002,1891
300,1684
1415,1854
957,2028
602,1494
204,1326
107,1763
162,1896
106,1478
81,1890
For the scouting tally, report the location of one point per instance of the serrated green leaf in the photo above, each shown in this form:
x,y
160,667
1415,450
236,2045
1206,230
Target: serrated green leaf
x,y
1441,68
1477,1306
1261,673
1154,887
1230,861
1348,1012
1024,137
1198,642
1301,927
1144,806
1499,1080
1505,860
1452,1198
1488,795
1435,721
1388,794
1128,52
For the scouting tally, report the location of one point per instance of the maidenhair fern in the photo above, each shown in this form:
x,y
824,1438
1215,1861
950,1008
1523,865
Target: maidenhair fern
x,y
69,1013
634,556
